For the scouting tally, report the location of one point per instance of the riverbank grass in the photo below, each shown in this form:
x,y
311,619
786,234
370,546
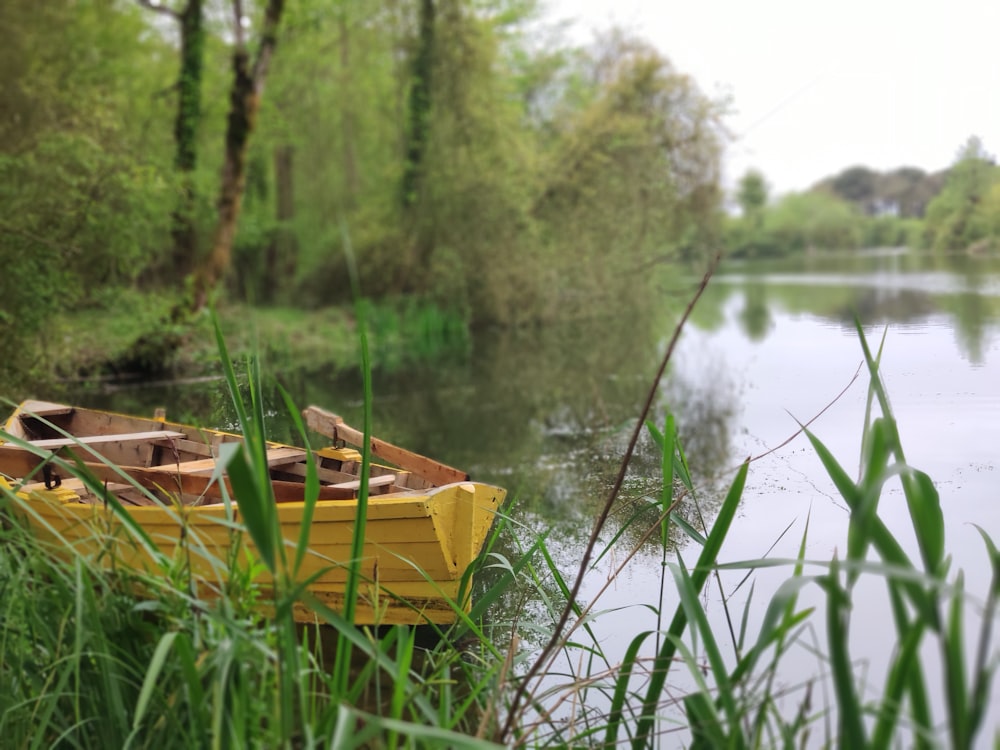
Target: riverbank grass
x,y
85,662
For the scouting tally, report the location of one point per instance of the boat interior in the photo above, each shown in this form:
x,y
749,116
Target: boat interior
x,y
174,463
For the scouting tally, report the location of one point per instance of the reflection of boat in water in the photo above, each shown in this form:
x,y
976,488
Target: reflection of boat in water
x,y
426,522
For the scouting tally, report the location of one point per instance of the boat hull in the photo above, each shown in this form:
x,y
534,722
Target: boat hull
x,y
418,544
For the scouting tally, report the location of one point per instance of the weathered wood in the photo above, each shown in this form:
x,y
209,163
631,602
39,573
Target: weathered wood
x,y
17,463
194,447
327,476
186,480
383,481
275,457
416,540
124,437
44,409
329,424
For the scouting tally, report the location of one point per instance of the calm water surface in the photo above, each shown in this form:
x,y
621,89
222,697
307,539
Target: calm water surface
x,y
547,414
777,345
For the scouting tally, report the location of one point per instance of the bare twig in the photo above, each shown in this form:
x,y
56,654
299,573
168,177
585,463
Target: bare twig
x,y
162,9
557,634
803,426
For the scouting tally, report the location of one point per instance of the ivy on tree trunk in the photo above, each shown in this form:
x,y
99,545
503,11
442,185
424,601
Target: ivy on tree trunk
x,y
419,105
185,235
244,103
191,22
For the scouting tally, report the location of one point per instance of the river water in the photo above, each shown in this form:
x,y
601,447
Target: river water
x,y
547,413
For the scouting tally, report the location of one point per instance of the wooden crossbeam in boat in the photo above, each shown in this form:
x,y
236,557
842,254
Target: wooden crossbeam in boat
x,y
124,437
196,447
126,493
275,457
43,409
385,480
325,475
327,423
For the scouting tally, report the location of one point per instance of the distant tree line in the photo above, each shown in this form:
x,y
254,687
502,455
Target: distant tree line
x,y
954,210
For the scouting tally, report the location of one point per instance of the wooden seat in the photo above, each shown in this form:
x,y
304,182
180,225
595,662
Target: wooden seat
x,y
383,481
124,437
43,409
275,457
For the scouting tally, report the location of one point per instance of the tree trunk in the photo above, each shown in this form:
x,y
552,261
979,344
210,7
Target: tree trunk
x,y
244,103
419,105
282,252
184,232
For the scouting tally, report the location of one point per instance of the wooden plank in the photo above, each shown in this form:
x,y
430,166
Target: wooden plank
x,y
173,483
327,423
276,457
328,476
90,422
284,455
123,437
42,409
382,481
74,484
186,446
17,462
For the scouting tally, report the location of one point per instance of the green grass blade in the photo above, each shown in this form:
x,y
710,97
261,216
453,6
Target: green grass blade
x,y
496,591
707,732
259,523
863,515
900,671
985,669
695,612
230,375
311,488
882,539
779,620
690,531
152,675
707,558
924,505
956,690
849,709
622,678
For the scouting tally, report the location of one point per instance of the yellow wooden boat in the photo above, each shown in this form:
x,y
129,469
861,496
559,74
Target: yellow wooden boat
x,y
426,521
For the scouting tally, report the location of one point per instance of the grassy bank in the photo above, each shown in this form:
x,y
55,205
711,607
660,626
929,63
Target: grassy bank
x,y
86,663
99,342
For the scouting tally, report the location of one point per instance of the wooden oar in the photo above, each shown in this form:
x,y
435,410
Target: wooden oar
x,y
332,426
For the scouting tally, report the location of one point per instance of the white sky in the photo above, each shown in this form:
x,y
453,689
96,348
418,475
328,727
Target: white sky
x,y
816,87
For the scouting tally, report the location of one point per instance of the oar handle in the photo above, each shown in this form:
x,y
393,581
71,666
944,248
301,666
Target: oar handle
x,y
332,426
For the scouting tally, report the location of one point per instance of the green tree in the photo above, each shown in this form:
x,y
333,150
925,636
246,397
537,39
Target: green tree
x,y
631,170
752,192
857,185
744,234
959,216
813,221
82,175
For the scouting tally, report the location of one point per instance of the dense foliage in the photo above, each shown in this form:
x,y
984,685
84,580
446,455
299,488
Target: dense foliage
x,y
460,159
966,213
